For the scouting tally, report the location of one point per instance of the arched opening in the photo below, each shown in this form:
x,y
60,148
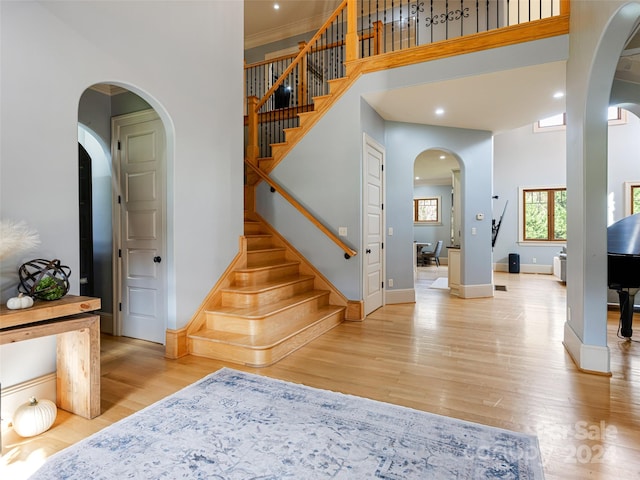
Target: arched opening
x,y
587,165
437,211
122,304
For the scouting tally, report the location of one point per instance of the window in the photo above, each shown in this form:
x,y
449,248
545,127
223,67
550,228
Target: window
x,y
632,198
635,199
615,116
426,210
544,214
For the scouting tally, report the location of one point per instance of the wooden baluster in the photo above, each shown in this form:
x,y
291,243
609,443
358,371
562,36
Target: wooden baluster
x,y
253,148
377,37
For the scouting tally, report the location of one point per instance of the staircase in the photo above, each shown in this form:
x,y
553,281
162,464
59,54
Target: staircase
x,y
272,304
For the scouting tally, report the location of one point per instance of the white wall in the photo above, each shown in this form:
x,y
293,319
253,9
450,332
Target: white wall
x,y
185,59
524,158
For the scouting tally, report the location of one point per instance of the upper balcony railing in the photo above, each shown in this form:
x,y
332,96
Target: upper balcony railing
x,y
404,24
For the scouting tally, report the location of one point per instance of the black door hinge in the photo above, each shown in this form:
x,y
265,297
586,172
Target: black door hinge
x,y
382,284
119,253
119,145
119,199
120,306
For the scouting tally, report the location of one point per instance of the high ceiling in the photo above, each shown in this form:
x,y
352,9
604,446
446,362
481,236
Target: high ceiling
x,y
493,102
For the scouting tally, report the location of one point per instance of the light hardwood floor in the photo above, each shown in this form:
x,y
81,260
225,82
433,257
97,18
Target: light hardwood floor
x,y
497,361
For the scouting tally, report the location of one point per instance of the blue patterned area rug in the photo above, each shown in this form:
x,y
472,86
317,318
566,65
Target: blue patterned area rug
x,y
236,425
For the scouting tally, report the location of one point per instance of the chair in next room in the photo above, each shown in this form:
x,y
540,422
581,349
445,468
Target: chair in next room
x,y
435,254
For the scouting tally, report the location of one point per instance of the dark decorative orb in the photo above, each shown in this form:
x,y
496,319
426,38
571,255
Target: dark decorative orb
x,y
44,279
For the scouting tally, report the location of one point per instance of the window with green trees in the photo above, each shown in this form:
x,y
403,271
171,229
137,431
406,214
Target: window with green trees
x,y
545,214
426,210
635,199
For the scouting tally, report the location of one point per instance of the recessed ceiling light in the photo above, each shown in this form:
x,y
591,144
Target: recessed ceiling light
x,y
417,178
439,111
442,157
276,6
558,95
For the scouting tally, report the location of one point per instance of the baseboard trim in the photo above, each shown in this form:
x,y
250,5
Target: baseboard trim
x,y
476,291
526,268
407,295
106,322
14,396
588,358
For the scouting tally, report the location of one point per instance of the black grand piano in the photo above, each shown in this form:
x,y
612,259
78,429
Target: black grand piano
x,y
623,252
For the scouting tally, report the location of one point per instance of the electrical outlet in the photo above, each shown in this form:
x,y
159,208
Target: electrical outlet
x,y
534,260
390,282
342,231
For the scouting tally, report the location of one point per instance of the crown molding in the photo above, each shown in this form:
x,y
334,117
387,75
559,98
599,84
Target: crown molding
x,y
107,89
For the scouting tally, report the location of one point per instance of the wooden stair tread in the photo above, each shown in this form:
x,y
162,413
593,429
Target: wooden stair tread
x,y
268,285
266,265
268,249
258,235
267,339
264,311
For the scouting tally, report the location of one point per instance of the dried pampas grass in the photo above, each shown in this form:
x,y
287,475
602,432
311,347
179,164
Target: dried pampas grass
x,y
16,238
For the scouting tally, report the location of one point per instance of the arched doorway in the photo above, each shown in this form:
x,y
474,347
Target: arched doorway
x,y
437,201
589,81
122,302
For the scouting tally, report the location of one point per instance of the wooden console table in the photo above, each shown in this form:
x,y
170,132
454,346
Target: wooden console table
x,y
77,351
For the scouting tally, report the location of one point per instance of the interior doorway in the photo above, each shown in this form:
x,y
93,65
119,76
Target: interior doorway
x,y
139,160
373,224
97,106
85,209
436,205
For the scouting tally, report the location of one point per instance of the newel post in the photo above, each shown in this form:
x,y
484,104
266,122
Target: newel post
x,y
351,38
252,130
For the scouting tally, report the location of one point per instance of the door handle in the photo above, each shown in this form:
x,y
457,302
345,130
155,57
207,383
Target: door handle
x,y
368,250
157,259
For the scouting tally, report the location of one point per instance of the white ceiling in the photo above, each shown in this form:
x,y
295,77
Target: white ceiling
x,y
493,102
264,24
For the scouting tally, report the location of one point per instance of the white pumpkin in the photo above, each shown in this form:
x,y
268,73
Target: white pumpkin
x,y
34,417
21,301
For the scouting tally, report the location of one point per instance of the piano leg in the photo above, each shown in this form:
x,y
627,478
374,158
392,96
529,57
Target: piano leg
x,y
627,299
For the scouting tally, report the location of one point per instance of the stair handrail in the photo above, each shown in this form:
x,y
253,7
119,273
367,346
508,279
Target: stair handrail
x,y
348,251
302,53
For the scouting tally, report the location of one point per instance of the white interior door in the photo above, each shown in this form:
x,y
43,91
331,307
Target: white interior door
x,y
373,225
141,150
